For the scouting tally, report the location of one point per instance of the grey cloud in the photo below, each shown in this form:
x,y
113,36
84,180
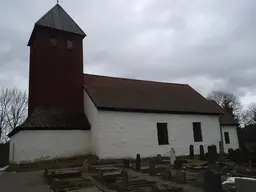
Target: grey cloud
x,y
207,44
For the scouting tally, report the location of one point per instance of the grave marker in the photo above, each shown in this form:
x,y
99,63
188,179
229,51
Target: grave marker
x,y
191,151
172,156
180,176
177,164
85,166
138,162
212,181
152,167
201,149
167,175
126,163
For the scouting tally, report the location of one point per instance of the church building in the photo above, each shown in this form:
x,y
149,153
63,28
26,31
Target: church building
x,y
72,113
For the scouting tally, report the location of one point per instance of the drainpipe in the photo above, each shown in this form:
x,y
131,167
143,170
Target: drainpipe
x,y
221,136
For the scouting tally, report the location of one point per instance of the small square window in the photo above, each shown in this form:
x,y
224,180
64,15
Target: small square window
x,y
53,42
69,44
197,132
226,135
162,134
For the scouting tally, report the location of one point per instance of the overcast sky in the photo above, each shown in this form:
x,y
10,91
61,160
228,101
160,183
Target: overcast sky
x,y
208,44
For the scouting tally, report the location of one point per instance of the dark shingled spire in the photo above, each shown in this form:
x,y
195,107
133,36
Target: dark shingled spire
x,y
57,18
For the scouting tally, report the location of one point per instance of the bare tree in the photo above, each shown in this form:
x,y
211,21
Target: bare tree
x,y
13,109
229,101
249,116
4,102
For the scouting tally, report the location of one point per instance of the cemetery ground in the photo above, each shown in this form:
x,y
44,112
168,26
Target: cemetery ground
x,y
202,173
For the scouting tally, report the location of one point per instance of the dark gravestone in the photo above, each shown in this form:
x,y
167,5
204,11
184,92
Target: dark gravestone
x,y
177,164
138,162
244,185
126,163
191,151
201,149
152,167
180,176
231,154
167,175
158,159
212,181
212,154
239,156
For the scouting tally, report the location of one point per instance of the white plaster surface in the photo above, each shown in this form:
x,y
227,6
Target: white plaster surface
x,y
232,137
29,146
124,134
92,114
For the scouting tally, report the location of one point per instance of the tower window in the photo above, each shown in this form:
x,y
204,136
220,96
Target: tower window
x,y
69,44
53,42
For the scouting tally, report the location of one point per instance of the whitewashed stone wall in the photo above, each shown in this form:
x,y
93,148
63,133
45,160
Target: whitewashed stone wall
x,y
124,134
30,146
92,114
232,137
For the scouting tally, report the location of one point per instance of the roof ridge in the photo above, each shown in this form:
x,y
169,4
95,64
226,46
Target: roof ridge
x,y
141,80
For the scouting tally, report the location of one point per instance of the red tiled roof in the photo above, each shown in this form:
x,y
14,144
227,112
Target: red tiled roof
x,y
226,119
121,94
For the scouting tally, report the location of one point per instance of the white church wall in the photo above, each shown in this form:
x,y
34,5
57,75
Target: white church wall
x,y
124,134
92,114
232,137
30,146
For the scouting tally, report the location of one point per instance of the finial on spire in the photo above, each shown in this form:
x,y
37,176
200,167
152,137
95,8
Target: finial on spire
x,y
57,1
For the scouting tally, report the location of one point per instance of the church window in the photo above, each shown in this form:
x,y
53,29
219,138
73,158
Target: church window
x,y
69,44
197,132
226,135
162,134
53,42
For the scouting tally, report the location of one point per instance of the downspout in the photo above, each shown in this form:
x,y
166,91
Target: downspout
x,y
221,136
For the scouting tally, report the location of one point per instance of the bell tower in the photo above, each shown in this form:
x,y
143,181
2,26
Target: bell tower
x,y
56,63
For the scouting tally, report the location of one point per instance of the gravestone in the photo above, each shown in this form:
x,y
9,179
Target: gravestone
x,y
245,185
46,172
221,147
126,163
200,178
164,188
231,154
201,149
212,181
180,176
191,151
177,164
124,179
172,156
152,167
85,166
167,175
212,154
158,159
138,162
239,156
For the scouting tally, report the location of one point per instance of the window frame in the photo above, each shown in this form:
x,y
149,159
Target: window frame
x,y
227,138
69,46
51,42
197,132
162,133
